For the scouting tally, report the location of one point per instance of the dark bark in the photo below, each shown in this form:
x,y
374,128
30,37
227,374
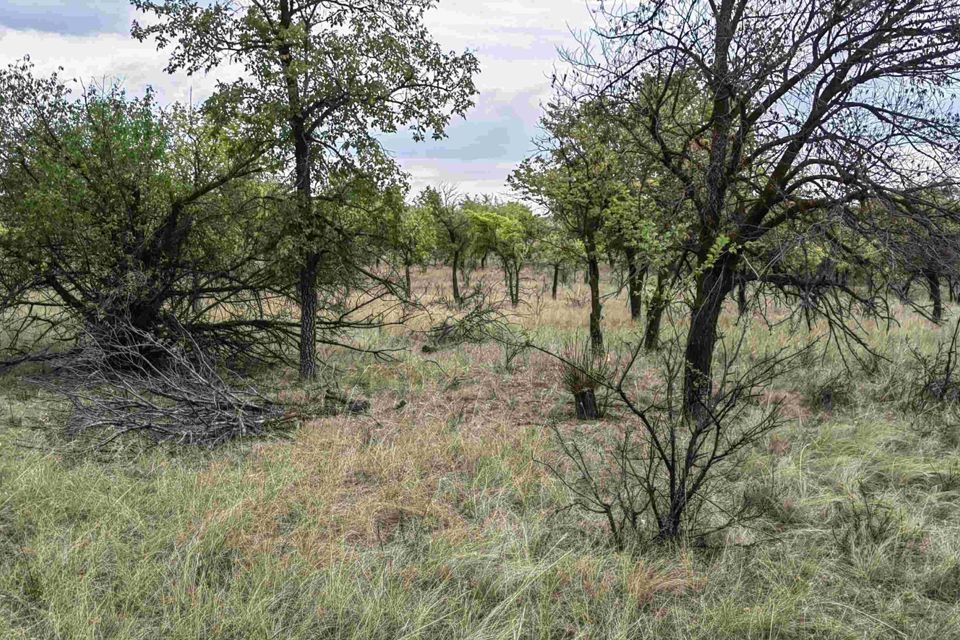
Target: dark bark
x,y
308,317
713,285
409,282
742,296
303,174
586,404
635,277
906,287
596,308
456,283
307,286
655,310
556,279
513,283
933,285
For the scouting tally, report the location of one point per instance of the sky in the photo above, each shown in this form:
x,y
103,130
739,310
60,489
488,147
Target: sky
x,y
516,42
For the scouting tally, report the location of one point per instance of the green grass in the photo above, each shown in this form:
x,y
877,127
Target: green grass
x,y
253,540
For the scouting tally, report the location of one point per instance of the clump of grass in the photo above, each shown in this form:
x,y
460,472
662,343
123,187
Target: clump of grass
x,y
584,368
863,521
587,375
829,393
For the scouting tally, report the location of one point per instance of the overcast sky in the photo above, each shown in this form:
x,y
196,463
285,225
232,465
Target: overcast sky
x,y
515,40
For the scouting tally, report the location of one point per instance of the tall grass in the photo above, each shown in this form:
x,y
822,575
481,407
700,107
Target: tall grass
x,y
433,519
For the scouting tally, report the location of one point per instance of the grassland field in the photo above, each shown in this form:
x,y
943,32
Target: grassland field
x,y
434,517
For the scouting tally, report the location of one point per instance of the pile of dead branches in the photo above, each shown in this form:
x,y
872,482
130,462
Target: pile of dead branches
x,y
477,319
170,391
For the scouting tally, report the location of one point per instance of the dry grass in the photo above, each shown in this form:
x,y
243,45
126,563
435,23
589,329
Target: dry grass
x,y
431,517
368,477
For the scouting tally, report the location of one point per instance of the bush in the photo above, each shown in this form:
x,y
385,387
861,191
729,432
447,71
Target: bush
x,y
665,474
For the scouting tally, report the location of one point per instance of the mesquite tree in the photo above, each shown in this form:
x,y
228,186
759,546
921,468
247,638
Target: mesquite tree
x,y
452,227
509,230
412,236
575,175
117,215
816,107
320,77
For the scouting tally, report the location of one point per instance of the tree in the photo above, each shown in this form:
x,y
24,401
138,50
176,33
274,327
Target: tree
x,y
815,107
120,218
321,76
453,228
556,248
575,175
509,230
413,236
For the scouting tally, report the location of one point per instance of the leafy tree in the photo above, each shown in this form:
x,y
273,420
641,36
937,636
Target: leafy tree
x,y
413,236
509,230
556,248
320,78
575,175
118,215
814,108
453,229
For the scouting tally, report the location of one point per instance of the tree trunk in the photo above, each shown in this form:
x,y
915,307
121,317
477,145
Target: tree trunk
x,y
516,286
307,286
456,284
742,296
933,284
906,288
409,281
713,285
556,279
510,276
586,404
596,309
655,310
634,283
308,317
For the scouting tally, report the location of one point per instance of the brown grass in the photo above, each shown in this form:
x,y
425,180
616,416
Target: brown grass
x,y
361,481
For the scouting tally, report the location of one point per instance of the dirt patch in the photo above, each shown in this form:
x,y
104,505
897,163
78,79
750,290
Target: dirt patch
x,y
792,404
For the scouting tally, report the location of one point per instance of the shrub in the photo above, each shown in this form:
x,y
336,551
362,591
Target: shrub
x,y
666,474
